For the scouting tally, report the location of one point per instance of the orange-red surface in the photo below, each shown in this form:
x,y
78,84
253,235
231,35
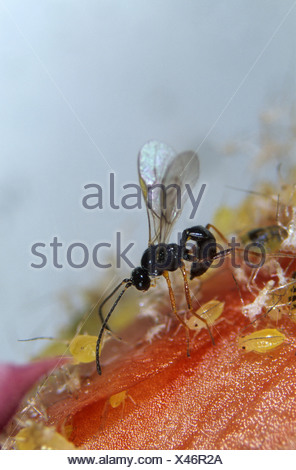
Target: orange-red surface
x,y
218,398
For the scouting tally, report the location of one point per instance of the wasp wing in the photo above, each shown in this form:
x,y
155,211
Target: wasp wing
x,y
181,173
163,177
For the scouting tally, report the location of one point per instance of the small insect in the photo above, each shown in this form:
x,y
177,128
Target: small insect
x,y
83,348
267,241
286,295
261,341
270,237
116,400
164,178
210,311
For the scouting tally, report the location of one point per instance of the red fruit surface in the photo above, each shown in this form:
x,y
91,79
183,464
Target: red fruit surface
x,y
218,398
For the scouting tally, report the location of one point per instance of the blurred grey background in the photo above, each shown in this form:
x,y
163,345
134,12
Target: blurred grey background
x,y
83,85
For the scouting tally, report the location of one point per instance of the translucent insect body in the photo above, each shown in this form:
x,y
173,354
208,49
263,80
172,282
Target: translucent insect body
x,y
261,341
210,311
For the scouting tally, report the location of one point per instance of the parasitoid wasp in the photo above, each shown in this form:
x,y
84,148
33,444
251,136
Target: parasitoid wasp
x,y
164,176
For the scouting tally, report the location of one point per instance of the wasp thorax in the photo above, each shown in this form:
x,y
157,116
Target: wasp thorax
x,y
162,257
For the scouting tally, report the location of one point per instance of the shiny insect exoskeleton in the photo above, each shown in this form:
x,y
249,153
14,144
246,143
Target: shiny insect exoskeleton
x,y
164,177
271,237
169,257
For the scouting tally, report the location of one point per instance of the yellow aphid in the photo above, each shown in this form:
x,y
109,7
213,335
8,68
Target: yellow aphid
x,y
37,436
261,341
118,398
83,348
210,311
115,401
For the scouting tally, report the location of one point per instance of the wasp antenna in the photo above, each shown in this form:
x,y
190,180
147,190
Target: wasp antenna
x,y
128,283
208,226
238,289
277,212
125,281
37,338
249,191
223,253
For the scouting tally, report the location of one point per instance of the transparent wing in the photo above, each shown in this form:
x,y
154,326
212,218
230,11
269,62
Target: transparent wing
x,y
163,177
182,172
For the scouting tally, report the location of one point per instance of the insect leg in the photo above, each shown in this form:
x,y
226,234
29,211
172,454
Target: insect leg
x,y
189,301
208,226
173,304
128,284
186,287
228,250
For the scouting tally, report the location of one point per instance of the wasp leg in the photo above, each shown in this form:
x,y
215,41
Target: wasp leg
x,y
189,301
208,226
174,308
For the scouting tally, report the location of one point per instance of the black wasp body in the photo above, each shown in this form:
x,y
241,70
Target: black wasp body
x,y
164,177
169,257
